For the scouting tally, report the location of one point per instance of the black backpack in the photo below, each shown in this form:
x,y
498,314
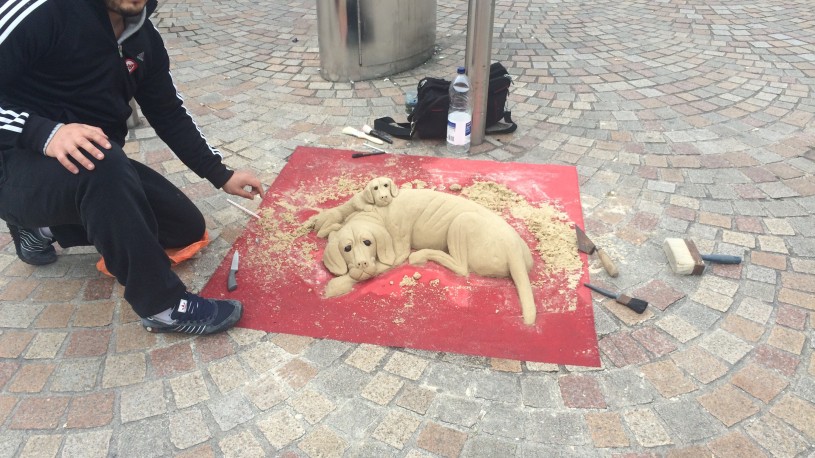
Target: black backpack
x,y
429,117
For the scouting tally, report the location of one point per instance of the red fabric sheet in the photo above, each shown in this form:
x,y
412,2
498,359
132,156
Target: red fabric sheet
x,y
281,281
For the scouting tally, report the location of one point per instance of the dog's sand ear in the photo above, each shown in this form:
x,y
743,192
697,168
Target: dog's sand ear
x,y
384,244
332,256
368,193
393,187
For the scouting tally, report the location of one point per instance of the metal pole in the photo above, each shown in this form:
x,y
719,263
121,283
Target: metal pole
x,y
480,18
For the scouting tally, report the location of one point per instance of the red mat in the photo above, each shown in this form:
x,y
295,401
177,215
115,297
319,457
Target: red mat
x,y
281,276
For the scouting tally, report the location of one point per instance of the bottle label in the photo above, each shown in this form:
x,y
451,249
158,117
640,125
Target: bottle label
x,y
459,125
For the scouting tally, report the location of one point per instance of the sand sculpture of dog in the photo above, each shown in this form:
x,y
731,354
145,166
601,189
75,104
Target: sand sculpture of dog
x,y
377,192
455,232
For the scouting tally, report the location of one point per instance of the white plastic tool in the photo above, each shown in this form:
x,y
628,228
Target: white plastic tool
x,y
359,134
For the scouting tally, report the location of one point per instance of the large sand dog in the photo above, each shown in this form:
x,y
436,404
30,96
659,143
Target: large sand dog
x,y
379,227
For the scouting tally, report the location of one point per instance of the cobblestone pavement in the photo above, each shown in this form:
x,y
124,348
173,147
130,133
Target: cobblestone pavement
x,y
683,118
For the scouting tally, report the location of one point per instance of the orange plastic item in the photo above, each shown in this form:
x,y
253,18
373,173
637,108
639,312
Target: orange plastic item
x,y
176,255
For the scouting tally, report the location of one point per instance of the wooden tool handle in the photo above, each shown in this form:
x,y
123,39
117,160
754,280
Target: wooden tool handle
x,y
608,264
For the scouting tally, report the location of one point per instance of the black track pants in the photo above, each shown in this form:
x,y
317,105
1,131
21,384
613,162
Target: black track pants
x,y
128,211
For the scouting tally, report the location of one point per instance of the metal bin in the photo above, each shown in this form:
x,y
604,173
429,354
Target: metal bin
x,y
365,39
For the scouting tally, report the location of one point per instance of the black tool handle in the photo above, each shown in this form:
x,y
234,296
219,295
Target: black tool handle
x,y
356,155
231,282
381,135
602,291
722,258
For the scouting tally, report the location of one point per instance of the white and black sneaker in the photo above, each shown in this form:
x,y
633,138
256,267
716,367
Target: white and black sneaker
x,y
197,315
32,247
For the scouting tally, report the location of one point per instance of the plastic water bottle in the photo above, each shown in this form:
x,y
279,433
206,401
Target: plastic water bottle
x,y
460,115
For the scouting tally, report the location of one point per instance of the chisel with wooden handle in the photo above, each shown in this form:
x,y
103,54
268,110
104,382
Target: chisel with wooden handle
x,y
585,245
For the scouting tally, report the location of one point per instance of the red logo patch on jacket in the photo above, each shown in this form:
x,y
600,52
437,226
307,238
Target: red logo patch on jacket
x,y
131,65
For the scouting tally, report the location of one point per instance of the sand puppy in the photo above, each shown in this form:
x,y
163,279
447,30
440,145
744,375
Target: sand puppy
x,y
378,192
455,232
359,250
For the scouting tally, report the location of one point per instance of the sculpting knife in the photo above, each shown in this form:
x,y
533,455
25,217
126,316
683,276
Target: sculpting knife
x,y
232,282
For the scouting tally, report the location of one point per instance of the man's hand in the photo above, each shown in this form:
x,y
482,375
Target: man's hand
x,y
75,141
239,181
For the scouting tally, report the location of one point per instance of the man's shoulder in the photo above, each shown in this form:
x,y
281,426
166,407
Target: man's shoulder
x,y
151,7
16,12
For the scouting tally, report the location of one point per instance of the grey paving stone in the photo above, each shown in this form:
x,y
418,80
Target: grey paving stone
x,y
356,419
762,274
281,428
265,392
10,442
748,208
719,207
125,369
556,428
776,437
456,410
396,429
87,444
323,352
725,345
699,316
784,208
487,446
495,386
130,439
503,420
757,290
541,390
371,448
449,379
603,323
264,357
800,246
688,420
188,428
231,410
532,450
18,315
76,375
143,401
322,441
341,381
312,405
805,388
647,428
626,387
241,445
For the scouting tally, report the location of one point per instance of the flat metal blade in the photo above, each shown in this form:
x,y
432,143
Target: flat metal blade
x,y
235,260
584,244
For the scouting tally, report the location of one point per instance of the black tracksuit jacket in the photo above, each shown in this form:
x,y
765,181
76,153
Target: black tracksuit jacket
x,y
60,63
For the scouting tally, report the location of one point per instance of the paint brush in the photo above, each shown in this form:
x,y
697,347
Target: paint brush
x,y
356,133
684,257
377,133
372,153
637,305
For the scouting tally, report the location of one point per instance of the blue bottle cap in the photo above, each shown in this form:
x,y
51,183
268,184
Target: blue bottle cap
x,y
461,70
